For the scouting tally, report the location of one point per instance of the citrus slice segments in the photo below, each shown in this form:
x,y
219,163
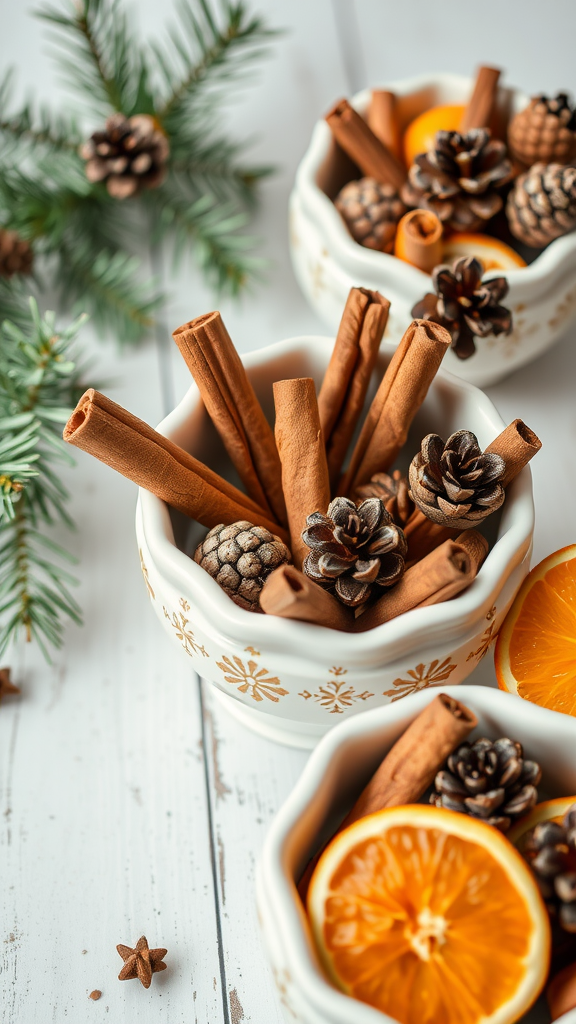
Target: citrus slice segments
x,y
430,916
535,655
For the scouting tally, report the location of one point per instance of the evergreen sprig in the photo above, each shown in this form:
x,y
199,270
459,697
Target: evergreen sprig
x,y
86,238
39,385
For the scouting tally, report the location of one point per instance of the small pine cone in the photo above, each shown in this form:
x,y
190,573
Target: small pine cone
x,y
545,131
455,484
393,491
16,255
371,212
488,780
353,549
542,204
458,177
129,154
550,849
240,557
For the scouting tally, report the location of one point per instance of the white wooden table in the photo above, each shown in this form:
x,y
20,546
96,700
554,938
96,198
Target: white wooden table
x,y
130,802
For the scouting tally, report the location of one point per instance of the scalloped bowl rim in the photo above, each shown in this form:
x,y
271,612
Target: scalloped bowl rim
x,y
377,264
227,619
311,788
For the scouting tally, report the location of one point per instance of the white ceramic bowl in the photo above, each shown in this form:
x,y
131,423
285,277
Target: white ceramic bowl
x,y
293,680
328,262
335,774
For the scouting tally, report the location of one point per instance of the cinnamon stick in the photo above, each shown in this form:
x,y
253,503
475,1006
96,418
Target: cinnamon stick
x,y
419,240
303,457
410,766
401,393
347,377
517,444
373,158
383,121
480,106
292,595
234,408
423,536
125,443
441,575
561,992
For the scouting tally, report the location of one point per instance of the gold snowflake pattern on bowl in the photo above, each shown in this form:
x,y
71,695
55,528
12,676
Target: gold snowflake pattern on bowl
x,y
420,678
180,625
336,695
250,679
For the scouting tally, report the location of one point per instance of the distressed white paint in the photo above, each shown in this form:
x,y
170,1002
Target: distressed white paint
x,y
129,803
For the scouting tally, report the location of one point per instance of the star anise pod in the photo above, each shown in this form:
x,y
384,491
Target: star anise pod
x,y
457,178
354,548
465,305
489,780
454,483
393,489
141,962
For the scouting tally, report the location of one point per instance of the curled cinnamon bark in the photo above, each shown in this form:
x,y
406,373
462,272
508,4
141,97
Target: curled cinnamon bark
x,y
480,106
234,408
303,457
347,377
360,143
401,393
292,595
125,443
410,765
419,240
438,577
383,121
517,445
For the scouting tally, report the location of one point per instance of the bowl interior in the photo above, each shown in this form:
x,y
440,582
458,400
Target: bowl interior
x,y
449,406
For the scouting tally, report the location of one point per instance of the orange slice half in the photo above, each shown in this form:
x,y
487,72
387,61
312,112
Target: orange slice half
x,y
430,916
535,654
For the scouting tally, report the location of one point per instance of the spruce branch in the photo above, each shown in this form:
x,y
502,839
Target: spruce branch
x,y
26,130
39,385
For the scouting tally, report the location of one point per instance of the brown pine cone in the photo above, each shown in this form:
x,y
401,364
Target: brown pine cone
x,y
240,557
550,849
455,484
457,179
488,780
16,256
545,131
371,212
130,154
354,548
465,305
393,491
542,204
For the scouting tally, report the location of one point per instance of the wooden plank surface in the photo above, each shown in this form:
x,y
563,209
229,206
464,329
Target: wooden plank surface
x,y
130,801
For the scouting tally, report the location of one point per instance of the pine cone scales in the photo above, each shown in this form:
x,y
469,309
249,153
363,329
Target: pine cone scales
x,y
550,849
544,131
465,305
354,548
393,491
488,780
240,557
16,255
455,484
129,155
457,179
542,204
371,212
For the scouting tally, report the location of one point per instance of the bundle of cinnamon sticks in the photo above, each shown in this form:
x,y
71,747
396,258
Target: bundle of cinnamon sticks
x,y
319,449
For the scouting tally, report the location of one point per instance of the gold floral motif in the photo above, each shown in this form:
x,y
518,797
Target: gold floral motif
x,y
335,696
421,677
283,981
252,651
145,575
486,639
317,278
490,615
184,604
179,623
564,310
250,679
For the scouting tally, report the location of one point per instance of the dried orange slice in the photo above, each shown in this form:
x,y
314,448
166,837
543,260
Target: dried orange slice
x,y
495,255
419,135
430,916
535,655
548,810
